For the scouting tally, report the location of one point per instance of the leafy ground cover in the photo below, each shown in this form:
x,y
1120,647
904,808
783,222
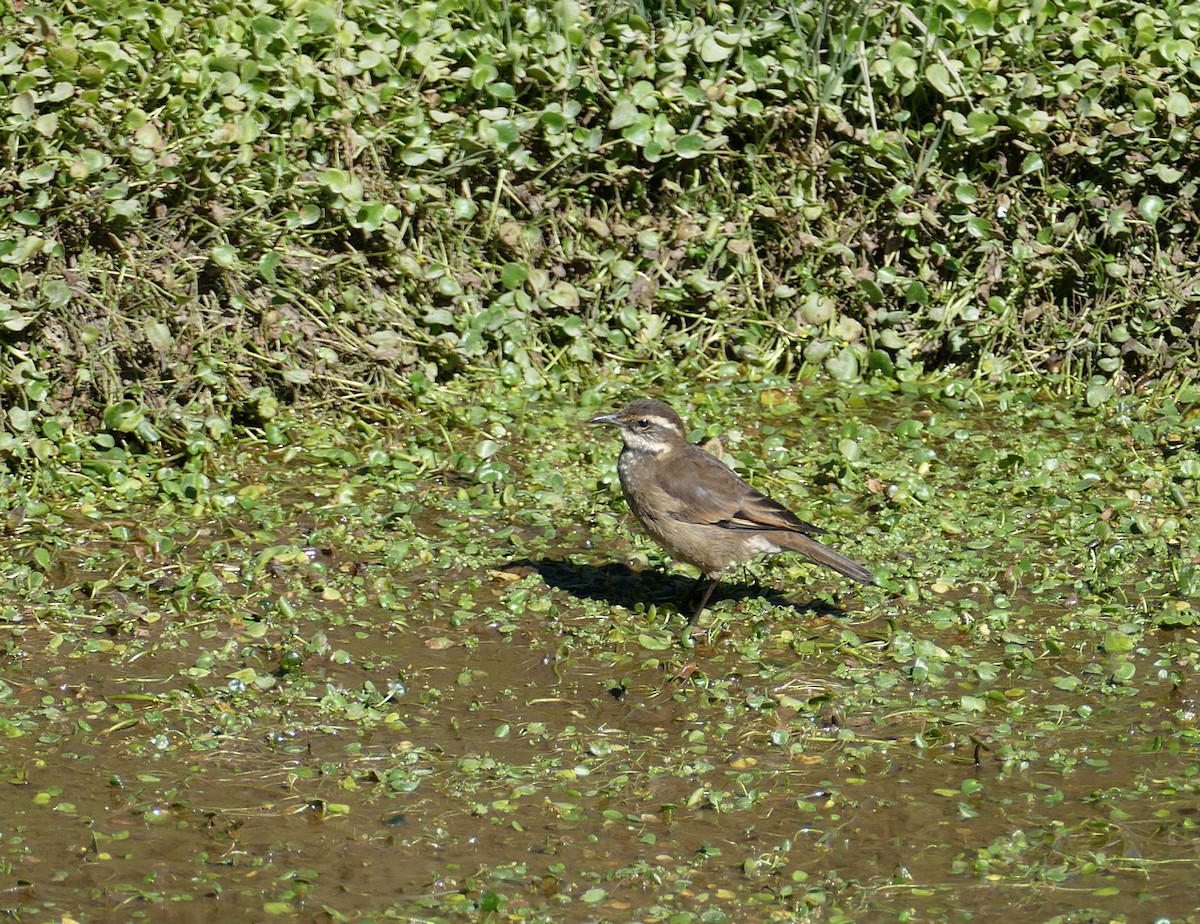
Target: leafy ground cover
x,y
425,671
205,215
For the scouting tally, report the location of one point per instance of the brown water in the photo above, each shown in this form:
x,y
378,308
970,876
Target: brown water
x,y
539,775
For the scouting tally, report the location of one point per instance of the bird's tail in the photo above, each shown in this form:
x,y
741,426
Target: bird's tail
x,y
823,555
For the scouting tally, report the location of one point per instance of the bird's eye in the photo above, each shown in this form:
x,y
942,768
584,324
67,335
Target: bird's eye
x,y
643,424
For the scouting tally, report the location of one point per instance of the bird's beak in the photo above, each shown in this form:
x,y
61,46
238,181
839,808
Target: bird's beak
x,y
604,419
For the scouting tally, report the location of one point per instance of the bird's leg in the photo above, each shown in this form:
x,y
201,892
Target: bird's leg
x,y
704,596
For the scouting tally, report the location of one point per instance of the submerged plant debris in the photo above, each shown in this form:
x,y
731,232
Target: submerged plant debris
x,y
427,671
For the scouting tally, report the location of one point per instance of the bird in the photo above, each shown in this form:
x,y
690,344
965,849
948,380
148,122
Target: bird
x,y
698,510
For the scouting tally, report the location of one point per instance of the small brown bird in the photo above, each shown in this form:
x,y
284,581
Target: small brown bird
x,y
699,510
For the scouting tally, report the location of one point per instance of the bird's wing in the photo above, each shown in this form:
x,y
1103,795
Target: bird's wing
x,y
705,492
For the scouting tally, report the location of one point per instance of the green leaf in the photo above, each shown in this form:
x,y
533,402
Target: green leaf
x,y
507,131
19,419
147,432
879,361
483,74
38,175
513,275
148,136
1150,207
158,335
717,47
1168,174
916,293
265,26
322,17
124,416
980,21
564,295
36,390
555,122
624,113
1125,671
843,365
979,228
489,901
1178,104
690,145
268,266
224,255
125,208
1099,394
46,125
342,183
966,193
1117,642
655,642
981,123
56,292
23,104
939,79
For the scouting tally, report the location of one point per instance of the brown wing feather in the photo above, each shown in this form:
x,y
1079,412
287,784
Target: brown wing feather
x,y
706,492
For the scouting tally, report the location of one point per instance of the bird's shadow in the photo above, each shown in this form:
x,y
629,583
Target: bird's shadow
x,y
619,585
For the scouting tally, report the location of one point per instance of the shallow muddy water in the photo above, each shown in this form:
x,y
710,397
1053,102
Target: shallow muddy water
x,y
387,695
536,782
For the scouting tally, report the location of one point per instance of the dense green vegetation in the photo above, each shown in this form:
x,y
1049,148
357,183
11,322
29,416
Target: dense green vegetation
x,y
206,212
